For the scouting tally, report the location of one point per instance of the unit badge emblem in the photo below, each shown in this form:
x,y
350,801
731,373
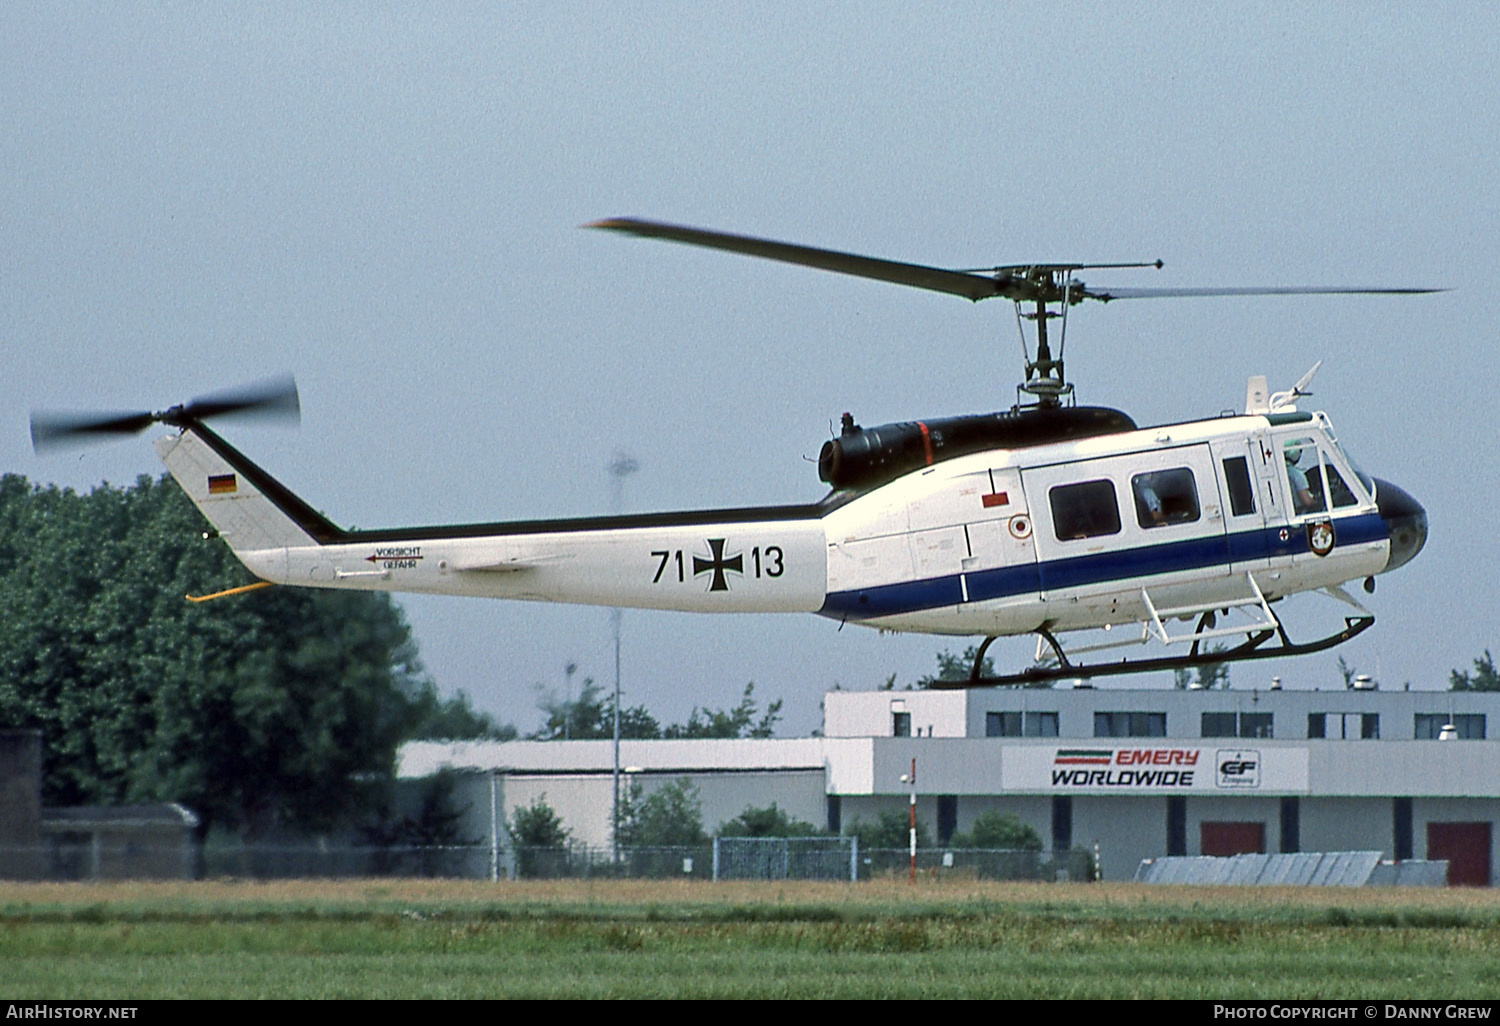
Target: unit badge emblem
x,y
1320,537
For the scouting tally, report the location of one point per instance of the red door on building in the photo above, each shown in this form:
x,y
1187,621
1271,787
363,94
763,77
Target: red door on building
x,y
1466,846
1232,838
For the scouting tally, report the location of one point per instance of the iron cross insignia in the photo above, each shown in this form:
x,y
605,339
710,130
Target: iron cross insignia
x,y
718,564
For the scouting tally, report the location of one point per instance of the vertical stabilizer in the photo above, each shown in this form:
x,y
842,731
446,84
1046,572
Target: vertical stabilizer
x,y
233,495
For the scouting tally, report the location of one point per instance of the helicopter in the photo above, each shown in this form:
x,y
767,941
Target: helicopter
x,y
1071,523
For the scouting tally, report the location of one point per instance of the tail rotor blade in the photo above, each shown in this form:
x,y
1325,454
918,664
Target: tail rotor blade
x,y
276,397
54,430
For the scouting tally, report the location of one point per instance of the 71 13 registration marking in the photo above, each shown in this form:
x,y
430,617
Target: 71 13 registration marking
x,y
767,561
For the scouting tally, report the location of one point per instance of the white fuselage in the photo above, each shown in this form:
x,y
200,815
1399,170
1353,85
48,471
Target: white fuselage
x,y
1061,536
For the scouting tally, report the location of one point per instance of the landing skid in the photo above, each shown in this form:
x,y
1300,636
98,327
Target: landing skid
x,y
1253,647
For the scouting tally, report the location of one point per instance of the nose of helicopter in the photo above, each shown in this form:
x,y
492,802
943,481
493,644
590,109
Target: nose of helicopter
x,y
1406,522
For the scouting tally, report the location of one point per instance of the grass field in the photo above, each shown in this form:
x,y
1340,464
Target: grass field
x,y
944,938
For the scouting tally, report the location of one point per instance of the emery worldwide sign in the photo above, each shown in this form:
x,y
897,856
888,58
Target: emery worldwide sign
x,y
1145,768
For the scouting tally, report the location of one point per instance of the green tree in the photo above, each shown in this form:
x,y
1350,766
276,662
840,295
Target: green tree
x,y
591,716
889,830
999,831
435,718
538,826
671,815
957,667
767,822
1484,678
741,721
1205,675
277,710
425,837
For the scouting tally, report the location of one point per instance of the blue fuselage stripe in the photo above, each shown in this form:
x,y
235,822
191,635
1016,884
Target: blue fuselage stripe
x,y
1098,568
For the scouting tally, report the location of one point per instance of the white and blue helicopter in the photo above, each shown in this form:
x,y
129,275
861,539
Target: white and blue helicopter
x,y
1063,521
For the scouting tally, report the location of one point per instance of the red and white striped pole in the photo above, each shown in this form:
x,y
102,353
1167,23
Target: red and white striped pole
x,y
912,833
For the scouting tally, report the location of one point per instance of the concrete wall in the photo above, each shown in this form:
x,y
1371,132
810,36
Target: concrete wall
x,y
1127,829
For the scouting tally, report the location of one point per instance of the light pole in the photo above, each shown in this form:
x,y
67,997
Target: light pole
x,y
568,671
621,465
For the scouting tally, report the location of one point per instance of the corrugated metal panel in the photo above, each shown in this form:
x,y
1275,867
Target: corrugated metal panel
x,y
1411,873
1312,869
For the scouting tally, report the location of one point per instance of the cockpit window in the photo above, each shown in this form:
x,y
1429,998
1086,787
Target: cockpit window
x,y
1085,510
1314,478
1301,458
1364,478
1165,497
1337,490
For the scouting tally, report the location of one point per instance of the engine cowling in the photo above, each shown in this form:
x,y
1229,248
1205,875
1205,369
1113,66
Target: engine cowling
x,y
862,458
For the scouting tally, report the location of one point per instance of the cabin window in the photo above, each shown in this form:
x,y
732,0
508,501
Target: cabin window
x,y
1241,491
1086,510
1165,497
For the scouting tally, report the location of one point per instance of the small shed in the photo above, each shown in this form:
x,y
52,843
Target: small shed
x,y
118,842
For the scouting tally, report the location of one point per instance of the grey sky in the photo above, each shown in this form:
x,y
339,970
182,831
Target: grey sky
x,y
384,200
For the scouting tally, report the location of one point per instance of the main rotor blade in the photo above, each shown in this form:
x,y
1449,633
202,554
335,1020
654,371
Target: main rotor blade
x,y
1107,294
935,279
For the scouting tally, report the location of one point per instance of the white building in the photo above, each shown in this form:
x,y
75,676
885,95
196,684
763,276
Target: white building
x,y
1139,773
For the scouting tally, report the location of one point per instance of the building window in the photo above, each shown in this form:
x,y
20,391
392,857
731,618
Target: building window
x,y
1255,725
1086,510
1219,724
1470,726
901,724
1016,724
1130,724
1002,724
1041,724
1344,726
1228,724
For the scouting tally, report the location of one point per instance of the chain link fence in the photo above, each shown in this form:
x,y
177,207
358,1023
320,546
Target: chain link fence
x,y
813,858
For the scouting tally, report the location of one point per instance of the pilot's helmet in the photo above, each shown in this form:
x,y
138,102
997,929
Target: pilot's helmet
x,y
1293,453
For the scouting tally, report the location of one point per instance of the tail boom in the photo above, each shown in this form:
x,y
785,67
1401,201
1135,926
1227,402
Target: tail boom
x,y
766,559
